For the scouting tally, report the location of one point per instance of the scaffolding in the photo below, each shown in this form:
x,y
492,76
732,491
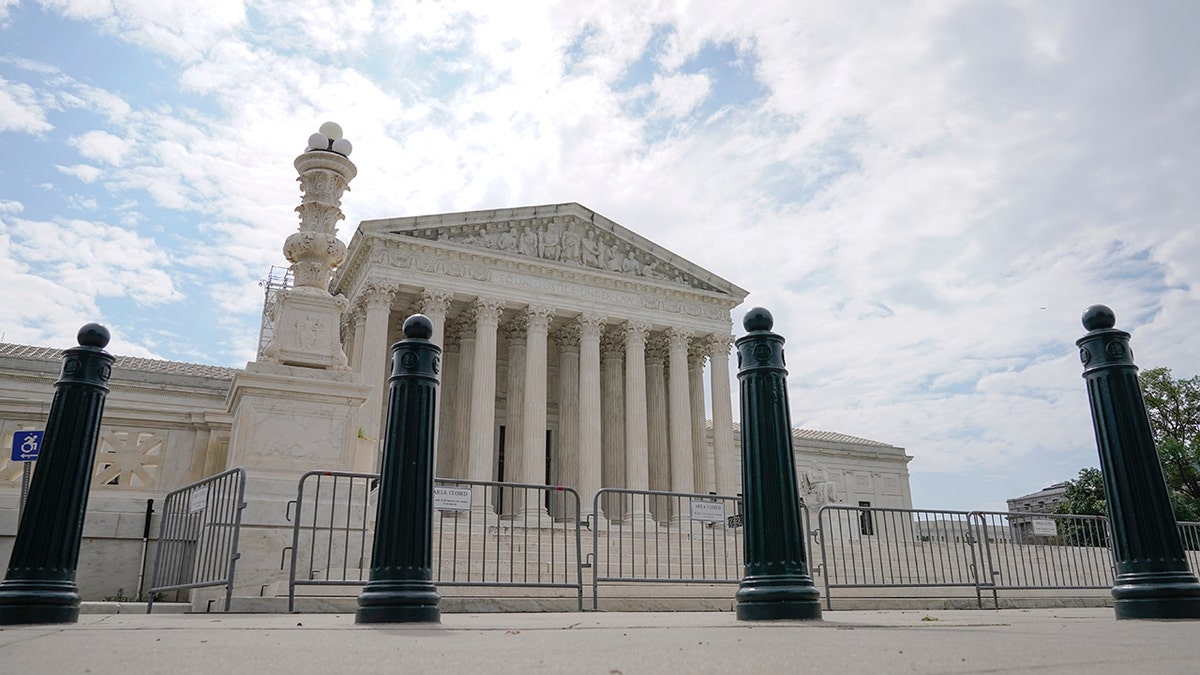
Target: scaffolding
x,y
279,279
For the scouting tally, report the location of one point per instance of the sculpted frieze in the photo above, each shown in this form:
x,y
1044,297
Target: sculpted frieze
x,y
565,240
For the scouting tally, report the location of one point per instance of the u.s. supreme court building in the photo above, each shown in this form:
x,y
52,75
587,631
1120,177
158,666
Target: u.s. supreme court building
x,y
575,352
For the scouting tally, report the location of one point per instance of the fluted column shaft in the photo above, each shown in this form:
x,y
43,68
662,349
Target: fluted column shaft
x,y
637,462
679,401
658,453
377,300
613,411
460,443
728,479
533,449
514,417
696,399
483,397
590,434
567,340
451,375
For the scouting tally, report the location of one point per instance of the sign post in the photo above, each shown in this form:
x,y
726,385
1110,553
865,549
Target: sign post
x,y
25,448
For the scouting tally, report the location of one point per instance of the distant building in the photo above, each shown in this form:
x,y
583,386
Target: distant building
x,y
1042,501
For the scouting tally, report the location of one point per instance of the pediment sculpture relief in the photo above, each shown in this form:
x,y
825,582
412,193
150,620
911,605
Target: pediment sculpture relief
x,y
564,240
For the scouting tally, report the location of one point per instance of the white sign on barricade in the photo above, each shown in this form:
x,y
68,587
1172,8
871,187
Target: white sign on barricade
x,y
451,498
708,512
198,500
1044,527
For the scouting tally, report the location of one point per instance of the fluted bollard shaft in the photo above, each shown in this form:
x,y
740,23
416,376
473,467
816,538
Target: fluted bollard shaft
x,y
1153,579
401,589
777,584
40,584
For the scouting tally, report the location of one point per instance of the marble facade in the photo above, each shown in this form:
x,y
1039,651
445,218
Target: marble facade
x,y
575,349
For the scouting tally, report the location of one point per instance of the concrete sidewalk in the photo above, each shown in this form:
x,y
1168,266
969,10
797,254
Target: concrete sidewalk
x,y
1080,640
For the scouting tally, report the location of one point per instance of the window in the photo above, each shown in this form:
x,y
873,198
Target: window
x,y
865,525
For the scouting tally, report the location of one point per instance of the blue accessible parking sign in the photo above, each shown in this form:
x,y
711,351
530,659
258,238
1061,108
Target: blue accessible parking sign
x,y
26,445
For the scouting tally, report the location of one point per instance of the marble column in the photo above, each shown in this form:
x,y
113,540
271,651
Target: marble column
x,y
612,409
514,417
533,448
435,304
483,398
696,355
590,408
377,299
461,436
657,449
728,478
451,379
637,465
359,316
566,338
680,413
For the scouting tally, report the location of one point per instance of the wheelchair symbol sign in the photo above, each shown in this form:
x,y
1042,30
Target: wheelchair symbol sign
x,y
26,445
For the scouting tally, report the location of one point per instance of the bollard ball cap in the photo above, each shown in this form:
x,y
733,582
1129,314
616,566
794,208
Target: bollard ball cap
x,y
418,326
758,318
1098,317
94,335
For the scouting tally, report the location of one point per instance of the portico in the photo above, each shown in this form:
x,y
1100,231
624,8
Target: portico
x,y
574,349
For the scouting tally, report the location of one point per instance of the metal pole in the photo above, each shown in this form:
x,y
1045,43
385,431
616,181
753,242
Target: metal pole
x,y
401,589
777,583
145,545
40,584
1153,580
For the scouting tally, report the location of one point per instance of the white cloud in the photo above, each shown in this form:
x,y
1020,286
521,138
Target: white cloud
x,y
84,172
915,183
20,110
101,146
11,206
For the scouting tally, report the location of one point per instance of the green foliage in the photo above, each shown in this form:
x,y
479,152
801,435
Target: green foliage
x,y
1084,495
1174,409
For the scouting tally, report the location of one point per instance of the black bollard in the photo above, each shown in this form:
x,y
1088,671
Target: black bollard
x,y
401,589
1153,580
40,584
777,584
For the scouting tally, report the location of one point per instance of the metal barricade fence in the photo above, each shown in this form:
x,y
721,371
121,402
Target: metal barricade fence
x,y
1024,551
198,536
665,537
333,519
874,547
1189,534
332,530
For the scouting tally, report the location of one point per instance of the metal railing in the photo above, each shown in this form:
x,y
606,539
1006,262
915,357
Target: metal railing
x,y
1189,534
874,547
333,518
198,536
1034,551
665,537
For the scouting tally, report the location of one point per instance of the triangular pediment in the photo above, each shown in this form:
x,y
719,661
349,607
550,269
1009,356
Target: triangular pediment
x,y
562,234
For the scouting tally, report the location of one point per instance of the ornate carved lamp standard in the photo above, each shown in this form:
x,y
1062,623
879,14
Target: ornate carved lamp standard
x,y
1153,579
401,589
777,584
40,584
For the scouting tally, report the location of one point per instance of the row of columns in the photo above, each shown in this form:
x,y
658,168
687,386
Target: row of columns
x,y
608,434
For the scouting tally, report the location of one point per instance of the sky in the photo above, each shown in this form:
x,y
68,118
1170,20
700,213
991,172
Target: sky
x,y
926,195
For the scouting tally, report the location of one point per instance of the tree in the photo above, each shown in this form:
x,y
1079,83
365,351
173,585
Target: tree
x,y
1174,408
1084,496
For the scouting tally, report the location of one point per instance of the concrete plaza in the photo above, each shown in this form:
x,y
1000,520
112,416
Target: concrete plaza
x,y
1071,640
